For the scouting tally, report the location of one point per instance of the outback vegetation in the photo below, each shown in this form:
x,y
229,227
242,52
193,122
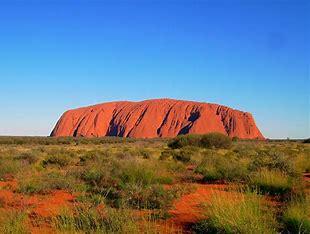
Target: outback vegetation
x,y
190,184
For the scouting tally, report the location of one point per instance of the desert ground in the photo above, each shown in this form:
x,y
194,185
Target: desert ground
x,y
188,184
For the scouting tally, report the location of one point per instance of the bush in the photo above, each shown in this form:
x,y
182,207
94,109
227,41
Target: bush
x,y
296,217
183,155
272,182
210,140
184,140
237,213
215,140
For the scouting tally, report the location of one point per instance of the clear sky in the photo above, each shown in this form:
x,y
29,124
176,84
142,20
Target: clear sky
x,y
251,55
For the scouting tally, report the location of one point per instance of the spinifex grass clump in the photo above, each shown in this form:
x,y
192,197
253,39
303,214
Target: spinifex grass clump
x,y
46,183
234,212
13,222
296,217
88,219
272,182
60,160
219,167
9,167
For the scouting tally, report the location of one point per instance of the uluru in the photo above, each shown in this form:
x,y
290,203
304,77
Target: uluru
x,y
156,118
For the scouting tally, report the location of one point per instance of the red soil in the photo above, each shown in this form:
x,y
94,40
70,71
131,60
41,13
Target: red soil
x,y
188,210
53,204
38,207
156,118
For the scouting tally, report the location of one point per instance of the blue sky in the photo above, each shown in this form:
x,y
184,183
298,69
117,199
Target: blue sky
x,y
250,55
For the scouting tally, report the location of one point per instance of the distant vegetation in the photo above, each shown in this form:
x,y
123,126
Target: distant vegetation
x,y
265,191
210,140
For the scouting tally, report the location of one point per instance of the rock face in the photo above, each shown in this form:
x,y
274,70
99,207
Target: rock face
x,y
156,118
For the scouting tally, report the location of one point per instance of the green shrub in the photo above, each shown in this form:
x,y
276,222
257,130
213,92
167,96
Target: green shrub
x,y
215,140
183,155
237,213
296,217
184,140
210,140
272,182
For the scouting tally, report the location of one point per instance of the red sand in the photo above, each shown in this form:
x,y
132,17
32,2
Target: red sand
x,y
38,207
156,118
188,208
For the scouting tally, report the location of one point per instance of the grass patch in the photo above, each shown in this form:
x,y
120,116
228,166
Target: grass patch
x,y
272,182
219,167
89,220
60,160
237,213
296,217
47,182
13,222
